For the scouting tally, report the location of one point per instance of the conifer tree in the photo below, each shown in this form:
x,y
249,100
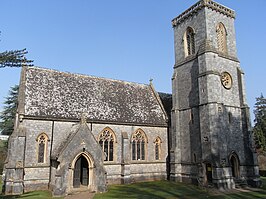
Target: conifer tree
x,y
7,116
14,58
260,122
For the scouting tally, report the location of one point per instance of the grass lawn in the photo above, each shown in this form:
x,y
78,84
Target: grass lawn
x,y
30,195
171,190
157,190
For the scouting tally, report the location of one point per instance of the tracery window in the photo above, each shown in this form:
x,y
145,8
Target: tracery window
x,y
106,141
221,38
157,146
42,147
189,41
138,145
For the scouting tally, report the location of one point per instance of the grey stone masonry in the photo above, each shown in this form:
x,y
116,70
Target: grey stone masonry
x,y
211,135
67,140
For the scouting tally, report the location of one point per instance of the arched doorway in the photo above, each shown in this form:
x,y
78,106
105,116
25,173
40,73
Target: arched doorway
x,y
234,165
81,172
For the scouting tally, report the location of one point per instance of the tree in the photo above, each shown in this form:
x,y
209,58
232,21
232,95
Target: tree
x,y
14,58
7,116
260,122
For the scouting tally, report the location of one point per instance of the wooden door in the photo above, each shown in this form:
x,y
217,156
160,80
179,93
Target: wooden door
x,y
84,172
235,167
77,172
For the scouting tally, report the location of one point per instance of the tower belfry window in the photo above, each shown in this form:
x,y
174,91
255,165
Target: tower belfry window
x,y
189,41
221,38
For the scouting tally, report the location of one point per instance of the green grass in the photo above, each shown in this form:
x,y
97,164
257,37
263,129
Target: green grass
x,y
155,190
171,190
30,195
158,189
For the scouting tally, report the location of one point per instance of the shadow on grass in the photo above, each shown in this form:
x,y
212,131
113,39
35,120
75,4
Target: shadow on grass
x,y
240,195
155,190
8,197
159,190
171,190
32,195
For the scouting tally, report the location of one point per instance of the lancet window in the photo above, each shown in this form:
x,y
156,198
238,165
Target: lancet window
x,y
42,147
157,147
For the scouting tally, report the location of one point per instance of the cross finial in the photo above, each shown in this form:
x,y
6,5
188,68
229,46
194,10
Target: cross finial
x,y
151,80
83,119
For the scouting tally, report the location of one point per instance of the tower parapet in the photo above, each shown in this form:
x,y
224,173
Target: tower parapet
x,y
202,4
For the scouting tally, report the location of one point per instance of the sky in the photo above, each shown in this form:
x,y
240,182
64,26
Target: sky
x,y
129,40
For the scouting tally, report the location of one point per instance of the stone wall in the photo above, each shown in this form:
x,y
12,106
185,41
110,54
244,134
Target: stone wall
x,y
121,170
210,122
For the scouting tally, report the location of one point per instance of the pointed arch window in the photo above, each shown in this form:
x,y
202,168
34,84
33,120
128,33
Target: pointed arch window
x,y
157,148
106,140
42,147
189,41
138,145
221,38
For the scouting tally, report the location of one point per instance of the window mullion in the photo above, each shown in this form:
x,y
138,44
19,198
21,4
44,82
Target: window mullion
x,y
108,151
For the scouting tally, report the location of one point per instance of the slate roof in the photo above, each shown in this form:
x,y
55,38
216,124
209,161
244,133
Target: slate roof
x,y
53,94
167,102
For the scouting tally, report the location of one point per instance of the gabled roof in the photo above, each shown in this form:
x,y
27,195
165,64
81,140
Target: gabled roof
x,y
53,94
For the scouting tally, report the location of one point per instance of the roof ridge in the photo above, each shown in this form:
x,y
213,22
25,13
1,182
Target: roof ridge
x,y
86,75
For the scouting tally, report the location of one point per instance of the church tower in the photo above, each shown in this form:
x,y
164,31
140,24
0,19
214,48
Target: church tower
x,y
211,131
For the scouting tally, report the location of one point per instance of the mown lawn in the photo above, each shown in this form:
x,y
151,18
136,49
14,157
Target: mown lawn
x,y
30,195
171,190
156,190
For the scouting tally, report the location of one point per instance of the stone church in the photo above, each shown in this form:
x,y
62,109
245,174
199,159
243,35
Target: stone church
x,y
78,132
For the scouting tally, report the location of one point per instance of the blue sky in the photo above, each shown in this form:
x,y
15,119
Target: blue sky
x,y
128,40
